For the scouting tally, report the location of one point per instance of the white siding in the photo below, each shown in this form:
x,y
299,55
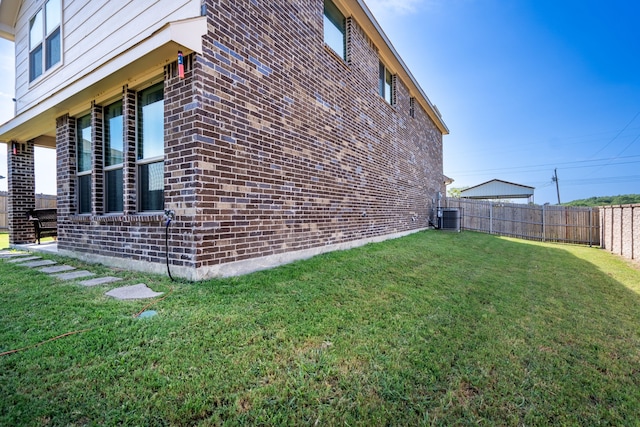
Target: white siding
x,y
93,32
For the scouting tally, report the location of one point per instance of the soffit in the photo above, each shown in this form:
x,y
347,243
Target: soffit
x,y
140,65
8,15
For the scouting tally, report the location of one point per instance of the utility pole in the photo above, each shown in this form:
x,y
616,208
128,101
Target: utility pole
x,y
554,178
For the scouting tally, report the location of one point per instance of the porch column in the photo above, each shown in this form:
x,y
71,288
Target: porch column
x,y
66,175
22,191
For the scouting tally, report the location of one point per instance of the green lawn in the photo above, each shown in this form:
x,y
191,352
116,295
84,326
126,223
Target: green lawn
x,y
435,328
4,240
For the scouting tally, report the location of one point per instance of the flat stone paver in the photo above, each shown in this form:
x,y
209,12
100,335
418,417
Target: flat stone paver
x,y
23,259
74,275
40,263
56,269
139,291
100,281
6,255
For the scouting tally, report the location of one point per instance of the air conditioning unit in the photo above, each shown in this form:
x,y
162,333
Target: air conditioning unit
x,y
449,219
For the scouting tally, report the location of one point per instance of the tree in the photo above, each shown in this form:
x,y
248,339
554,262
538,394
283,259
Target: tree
x,y
625,199
455,192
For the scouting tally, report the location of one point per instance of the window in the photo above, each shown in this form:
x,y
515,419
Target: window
x,y
386,84
45,39
334,29
113,156
412,107
83,126
150,158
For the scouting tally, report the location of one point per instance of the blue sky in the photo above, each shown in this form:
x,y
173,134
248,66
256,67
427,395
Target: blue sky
x,y
529,86
45,158
525,86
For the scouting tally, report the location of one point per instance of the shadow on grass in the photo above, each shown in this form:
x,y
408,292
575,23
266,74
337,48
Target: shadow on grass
x,y
434,328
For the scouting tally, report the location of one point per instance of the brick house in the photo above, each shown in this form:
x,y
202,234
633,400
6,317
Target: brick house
x,y
294,129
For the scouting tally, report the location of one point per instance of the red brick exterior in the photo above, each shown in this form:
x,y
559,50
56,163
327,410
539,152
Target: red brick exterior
x,y
273,145
21,184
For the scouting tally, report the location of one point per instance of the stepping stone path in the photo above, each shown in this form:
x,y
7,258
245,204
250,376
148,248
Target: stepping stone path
x,y
68,273
100,281
77,274
40,263
138,291
23,259
5,254
56,269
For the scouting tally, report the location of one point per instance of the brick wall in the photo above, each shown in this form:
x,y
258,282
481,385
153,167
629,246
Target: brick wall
x,y
619,230
129,239
21,185
300,150
273,145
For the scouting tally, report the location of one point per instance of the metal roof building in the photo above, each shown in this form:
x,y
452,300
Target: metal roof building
x,y
498,189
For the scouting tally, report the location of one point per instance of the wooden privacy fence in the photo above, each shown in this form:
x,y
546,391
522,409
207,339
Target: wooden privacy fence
x,y
43,201
533,222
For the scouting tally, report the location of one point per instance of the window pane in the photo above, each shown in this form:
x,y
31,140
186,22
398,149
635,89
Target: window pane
x,y
113,134
388,87
84,143
53,49
35,63
334,28
35,31
113,181
151,122
52,13
84,194
385,84
151,186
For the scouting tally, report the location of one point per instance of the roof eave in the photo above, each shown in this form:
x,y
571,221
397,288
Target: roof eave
x,y
144,59
8,17
429,107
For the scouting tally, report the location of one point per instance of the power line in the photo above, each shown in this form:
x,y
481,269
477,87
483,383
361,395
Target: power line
x,y
604,180
557,142
617,135
623,150
521,168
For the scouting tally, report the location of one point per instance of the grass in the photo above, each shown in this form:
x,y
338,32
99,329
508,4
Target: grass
x,y
433,329
4,240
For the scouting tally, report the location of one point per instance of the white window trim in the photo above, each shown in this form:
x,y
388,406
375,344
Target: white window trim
x,y
45,71
80,174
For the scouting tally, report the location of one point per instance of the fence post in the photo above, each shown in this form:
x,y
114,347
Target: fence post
x,y
491,218
544,230
590,217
